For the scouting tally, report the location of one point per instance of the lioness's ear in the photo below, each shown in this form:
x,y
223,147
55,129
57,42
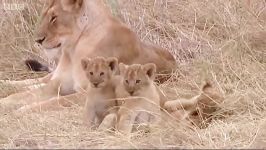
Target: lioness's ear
x,y
150,70
113,63
85,62
72,5
122,68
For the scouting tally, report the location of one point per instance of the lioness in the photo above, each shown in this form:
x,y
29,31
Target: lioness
x,y
89,26
101,92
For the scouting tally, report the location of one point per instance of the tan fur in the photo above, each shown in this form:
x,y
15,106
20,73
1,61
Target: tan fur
x,y
101,92
199,107
64,28
208,102
139,92
141,101
28,84
113,39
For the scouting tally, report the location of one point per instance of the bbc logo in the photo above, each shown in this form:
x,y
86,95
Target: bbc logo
x,y
13,6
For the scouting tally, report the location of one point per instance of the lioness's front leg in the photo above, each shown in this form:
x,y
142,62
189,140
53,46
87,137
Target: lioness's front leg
x,y
28,82
55,103
21,83
27,97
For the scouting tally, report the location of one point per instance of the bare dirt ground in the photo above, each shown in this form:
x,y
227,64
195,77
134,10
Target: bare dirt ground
x,y
219,40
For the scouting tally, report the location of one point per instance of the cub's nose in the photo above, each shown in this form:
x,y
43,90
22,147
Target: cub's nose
x,y
131,92
96,84
40,40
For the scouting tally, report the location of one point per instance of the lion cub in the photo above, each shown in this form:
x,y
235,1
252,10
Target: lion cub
x,y
101,92
137,96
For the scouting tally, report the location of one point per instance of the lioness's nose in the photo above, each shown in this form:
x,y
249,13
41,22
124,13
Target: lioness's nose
x,y
40,40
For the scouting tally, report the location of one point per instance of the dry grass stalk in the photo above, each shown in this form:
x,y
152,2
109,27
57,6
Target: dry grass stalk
x,y
218,40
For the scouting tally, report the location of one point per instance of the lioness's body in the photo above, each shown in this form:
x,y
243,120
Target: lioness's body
x,y
78,29
103,36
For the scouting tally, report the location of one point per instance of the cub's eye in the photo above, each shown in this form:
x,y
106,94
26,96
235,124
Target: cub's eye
x,y
137,81
102,73
91,73
53,19
127,81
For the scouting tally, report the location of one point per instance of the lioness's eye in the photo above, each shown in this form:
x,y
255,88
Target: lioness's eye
x,y
137,81
102,73
91,73
127,81
53,19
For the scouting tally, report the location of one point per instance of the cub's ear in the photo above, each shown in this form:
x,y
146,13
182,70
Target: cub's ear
x,y
73,6
113,63
150,70
122,68
85,62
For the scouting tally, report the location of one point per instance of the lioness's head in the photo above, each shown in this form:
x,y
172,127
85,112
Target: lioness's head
x,y
99,70
136,76
57,22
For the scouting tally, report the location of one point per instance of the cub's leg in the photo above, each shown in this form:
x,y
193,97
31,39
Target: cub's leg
x,y
180,115
89,116
145,117
108,122
181,104
144,120
126,119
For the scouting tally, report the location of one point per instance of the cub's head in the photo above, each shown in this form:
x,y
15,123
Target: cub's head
x,y
99,70
135,77
57,23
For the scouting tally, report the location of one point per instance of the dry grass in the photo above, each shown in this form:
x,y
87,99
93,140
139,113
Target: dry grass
x,y
220,40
